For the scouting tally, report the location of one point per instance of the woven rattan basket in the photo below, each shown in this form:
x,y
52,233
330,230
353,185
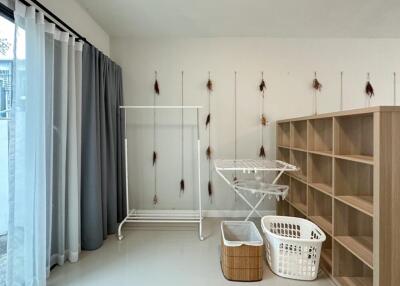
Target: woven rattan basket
x,y
242,251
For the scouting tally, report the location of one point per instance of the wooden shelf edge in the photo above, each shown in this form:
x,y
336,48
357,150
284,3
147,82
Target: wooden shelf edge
x,y
360,203
353,281
283,146
357,246
323,188
357,158
298,149
322,153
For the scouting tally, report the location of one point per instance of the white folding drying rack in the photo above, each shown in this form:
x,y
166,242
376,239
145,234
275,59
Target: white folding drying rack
x,y
255,186
135,216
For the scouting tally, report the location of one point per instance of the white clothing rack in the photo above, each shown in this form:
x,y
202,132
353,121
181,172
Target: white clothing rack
x,y
134,216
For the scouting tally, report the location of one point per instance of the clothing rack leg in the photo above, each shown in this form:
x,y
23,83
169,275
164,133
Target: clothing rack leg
x,y
199,178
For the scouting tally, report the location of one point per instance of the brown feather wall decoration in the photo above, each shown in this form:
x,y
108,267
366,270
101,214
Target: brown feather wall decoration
x,y
182,185
262,152
263,120
316,84
208,153
262,85
210,190
155,199
208,120
369,90
154,157
156,87
209,85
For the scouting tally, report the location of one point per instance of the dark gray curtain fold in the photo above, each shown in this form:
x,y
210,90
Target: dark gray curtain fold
x,y
103,174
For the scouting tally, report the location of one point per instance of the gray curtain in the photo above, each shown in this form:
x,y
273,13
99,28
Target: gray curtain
x,y
102,175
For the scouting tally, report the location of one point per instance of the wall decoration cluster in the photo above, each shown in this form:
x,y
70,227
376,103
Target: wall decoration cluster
x,y
263,119
209,86
155,94
316,86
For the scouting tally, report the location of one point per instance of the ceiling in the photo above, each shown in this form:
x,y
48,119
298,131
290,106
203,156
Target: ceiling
x,y
247,18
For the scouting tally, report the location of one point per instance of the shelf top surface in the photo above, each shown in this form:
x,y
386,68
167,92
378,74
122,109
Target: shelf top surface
x,y
345,113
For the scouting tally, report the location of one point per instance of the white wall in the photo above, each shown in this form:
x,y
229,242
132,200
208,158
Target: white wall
x,y
288,66
77,17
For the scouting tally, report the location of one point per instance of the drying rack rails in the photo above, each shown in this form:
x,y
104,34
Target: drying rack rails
x,y
255,186
188,216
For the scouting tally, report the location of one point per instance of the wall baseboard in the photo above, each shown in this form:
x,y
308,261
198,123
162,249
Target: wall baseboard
x,y
208,213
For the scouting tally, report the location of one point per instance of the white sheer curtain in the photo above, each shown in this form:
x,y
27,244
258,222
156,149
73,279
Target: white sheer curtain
x,y
44,226
26,247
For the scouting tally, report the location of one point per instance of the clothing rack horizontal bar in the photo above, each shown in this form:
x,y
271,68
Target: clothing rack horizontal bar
x,y
160,107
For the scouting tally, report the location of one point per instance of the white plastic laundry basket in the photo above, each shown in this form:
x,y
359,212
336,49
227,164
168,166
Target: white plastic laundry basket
x,y
293,246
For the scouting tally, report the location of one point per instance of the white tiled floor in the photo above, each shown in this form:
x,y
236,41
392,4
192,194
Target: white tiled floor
x,y
150,255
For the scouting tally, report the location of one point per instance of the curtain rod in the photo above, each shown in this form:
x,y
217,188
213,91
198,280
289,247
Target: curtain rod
x,y
54,18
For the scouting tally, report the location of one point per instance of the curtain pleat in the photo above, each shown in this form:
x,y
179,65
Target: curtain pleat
x,y
101,190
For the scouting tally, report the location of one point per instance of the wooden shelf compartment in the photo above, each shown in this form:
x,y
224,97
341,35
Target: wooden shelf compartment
x,y
299,159
348,270
320,135
284,180
354,185
283,134
298,195
326,255
282,208
353,135
293,211
320,209
354,231
299,134
283,154
320,172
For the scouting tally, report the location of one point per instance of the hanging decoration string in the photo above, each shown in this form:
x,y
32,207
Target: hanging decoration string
x,y
341,91
263,118
394,88
155,94
209,150
182,182
317,86
235,123
369,90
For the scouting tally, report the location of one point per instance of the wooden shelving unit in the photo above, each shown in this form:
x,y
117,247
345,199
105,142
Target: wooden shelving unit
x,y
348,184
